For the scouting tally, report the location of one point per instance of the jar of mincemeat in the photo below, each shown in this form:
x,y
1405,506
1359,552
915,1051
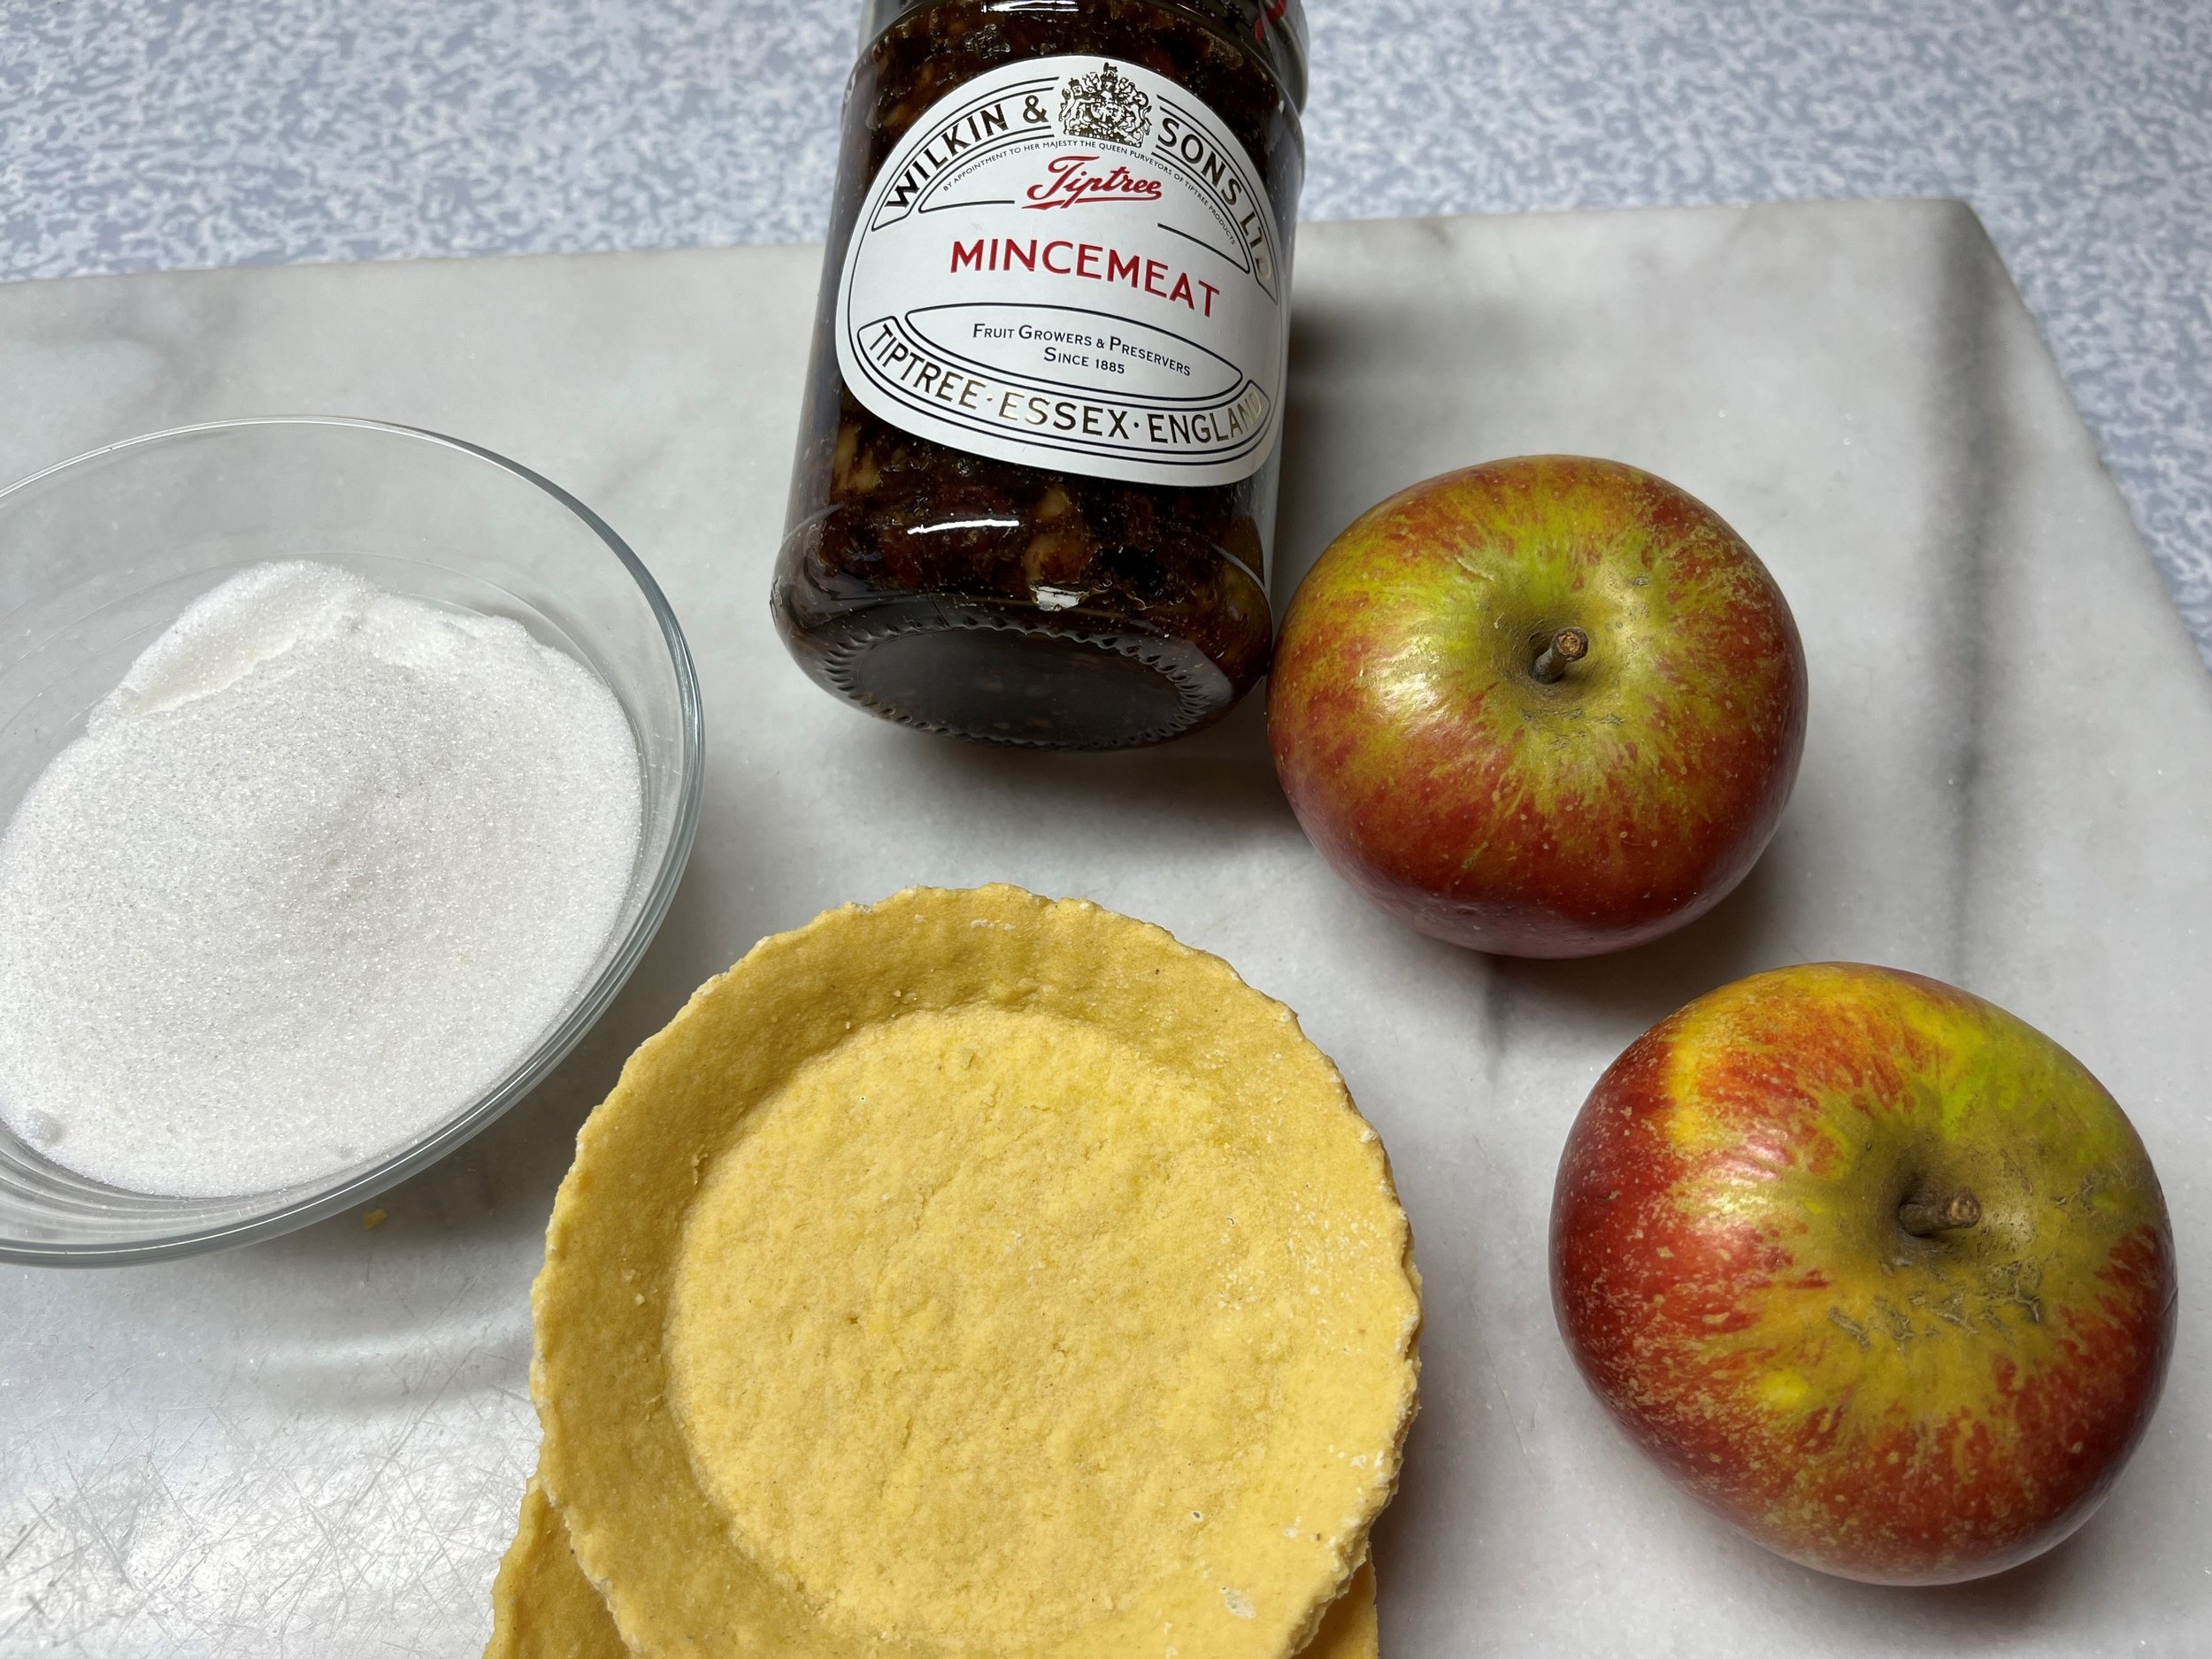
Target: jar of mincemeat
x,y
1035,488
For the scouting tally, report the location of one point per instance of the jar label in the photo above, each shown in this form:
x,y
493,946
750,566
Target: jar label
x,y
1070,263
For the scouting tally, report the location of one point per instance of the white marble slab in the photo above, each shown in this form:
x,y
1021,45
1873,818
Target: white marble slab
x,y
315,1446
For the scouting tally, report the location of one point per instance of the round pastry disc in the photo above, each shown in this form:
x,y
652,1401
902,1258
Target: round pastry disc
x,y
975,1275
544,1608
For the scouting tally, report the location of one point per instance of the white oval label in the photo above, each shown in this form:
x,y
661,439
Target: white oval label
x,y
1070,263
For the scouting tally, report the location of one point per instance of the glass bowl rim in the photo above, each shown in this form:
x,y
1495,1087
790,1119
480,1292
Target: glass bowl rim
x,y
416,1156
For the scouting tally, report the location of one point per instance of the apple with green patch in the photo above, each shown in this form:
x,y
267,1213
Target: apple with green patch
x,y
1545,707
1873,1268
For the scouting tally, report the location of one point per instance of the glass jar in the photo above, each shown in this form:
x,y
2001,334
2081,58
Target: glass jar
x,y
1035,488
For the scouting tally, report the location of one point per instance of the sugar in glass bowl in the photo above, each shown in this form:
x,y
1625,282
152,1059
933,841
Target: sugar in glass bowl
x,y
99,556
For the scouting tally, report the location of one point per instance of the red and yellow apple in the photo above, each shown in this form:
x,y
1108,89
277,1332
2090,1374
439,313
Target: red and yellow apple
x,y
1545,707
1875,1269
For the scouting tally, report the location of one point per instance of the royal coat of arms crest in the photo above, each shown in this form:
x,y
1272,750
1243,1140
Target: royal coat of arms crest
x,y
1107,106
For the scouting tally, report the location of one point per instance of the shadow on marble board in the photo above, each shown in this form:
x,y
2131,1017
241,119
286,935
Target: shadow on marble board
x,y
2008,1604
1922,1618
1335,468
1849,1615
1219,782
1637,989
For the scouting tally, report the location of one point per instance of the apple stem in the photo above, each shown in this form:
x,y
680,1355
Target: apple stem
x,y
1569,645
1924,1220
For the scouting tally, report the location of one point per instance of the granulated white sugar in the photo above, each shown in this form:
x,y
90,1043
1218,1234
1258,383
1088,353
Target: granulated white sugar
x,y
324,867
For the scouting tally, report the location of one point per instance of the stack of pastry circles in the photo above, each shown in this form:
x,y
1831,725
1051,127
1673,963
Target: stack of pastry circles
x,y
968,1275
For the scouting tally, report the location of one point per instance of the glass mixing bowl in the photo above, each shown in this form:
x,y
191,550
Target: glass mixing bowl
x,y
99,555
